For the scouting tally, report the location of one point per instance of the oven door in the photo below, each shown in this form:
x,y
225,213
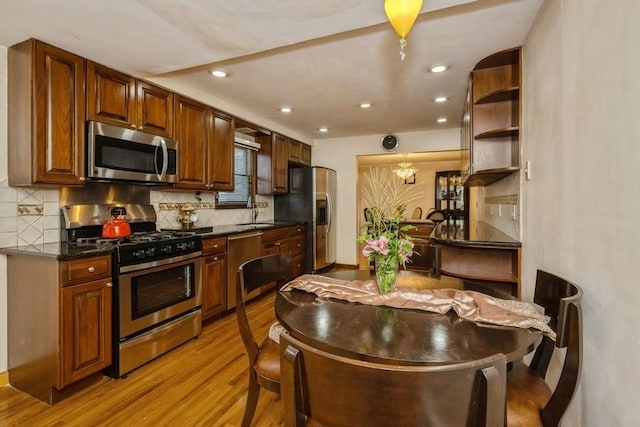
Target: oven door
x,y
151,296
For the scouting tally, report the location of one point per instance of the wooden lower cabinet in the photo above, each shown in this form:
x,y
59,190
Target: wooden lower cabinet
x,y
287,239
85,329
214,277
422,258
60,314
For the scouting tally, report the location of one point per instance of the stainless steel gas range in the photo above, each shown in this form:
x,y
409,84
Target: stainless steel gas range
x,y
157,277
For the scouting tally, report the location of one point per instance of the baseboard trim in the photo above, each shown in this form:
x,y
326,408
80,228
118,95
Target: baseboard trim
x,y
4,379
345,267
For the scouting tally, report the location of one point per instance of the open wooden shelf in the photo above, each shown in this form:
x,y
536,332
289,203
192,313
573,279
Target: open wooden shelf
x,y
499,133
508,94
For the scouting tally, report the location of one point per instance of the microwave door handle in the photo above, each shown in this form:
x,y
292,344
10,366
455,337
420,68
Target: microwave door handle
x,y
165,160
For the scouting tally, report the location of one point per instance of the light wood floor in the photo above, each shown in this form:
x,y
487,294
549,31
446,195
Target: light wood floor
x,y
201,383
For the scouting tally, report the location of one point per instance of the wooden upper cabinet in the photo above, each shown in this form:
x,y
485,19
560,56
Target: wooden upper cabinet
x,y
305,154
205,141
192,133
46,115
273,160
121,100
294,151
155,109
279,160
221,153
299,153
111,96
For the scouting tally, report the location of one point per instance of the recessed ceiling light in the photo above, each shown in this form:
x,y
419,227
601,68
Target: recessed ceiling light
x,y
366,105
442,120
438,68
219,73
286,109
323,129
440,99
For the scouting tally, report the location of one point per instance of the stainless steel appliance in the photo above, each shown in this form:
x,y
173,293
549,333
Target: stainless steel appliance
x,y
242,247
157,279
312,198
115,153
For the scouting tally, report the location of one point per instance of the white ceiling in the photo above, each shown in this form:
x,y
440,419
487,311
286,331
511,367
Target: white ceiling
x,y
322,58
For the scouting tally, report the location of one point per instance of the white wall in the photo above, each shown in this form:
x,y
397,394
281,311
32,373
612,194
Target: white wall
x,y
340,154
580,208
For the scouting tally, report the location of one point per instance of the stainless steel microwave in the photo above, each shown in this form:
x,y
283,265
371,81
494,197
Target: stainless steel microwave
x,y
115,153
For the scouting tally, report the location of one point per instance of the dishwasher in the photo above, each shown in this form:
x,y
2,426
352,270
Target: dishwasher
x,y
242,248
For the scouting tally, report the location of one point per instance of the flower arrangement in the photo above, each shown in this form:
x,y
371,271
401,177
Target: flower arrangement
x,y
386,243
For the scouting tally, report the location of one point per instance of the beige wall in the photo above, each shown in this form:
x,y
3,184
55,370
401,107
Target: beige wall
x,y
340,154
3,183
580,208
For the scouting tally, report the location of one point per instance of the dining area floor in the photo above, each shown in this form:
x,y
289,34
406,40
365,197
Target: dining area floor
x,y
201,383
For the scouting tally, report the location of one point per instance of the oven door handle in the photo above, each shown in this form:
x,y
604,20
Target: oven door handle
x,y
158,263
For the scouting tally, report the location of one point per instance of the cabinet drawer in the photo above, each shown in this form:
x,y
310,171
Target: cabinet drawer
x,y
85,269
215,245
297,266
296,230
422,230
297,246
272,234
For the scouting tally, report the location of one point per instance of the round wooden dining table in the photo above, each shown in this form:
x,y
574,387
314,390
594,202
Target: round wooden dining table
x,y
399,336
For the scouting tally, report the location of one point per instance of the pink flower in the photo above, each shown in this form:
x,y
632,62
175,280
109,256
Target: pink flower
x,y
379,245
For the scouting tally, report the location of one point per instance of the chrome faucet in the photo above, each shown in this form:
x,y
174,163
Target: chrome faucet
x,y
251,204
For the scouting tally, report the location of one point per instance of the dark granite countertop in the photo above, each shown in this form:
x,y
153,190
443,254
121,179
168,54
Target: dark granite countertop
x,y
453,233
61,250
66,251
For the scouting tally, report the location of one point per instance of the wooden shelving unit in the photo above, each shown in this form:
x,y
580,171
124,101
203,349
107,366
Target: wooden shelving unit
x,y
491,121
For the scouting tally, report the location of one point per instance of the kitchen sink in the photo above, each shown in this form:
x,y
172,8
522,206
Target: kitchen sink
x,y
251,225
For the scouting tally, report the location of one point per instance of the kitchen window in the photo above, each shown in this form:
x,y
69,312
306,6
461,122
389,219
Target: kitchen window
x,y
244,161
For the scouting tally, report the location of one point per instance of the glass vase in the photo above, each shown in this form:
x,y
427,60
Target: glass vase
x,y
386,272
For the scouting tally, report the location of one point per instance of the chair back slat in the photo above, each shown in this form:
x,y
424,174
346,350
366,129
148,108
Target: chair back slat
x,y
339,391
552,293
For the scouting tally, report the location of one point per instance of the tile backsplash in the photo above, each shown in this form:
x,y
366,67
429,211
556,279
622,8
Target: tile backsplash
x,y
501,205
28,216
31,216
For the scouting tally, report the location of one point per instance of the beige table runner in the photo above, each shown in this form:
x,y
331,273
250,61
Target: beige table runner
x,y
468,305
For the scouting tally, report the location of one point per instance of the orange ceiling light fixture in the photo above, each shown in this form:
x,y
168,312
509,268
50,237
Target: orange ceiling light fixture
x,y
402,14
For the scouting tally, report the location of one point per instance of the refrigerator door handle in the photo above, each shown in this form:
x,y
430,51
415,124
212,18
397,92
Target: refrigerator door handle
x,y
329,209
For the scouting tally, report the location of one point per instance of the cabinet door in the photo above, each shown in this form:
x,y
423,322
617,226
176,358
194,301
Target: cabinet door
x,y
111,96
155,109
59,105
422,258
221,154
192,135
85,330
305,154
214,285
279,161
294,151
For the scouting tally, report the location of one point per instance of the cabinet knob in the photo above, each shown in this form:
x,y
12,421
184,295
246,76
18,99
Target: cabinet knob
x,y
109,284
91,269
215,258
277,243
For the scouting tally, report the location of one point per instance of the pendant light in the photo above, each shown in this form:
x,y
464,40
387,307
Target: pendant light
x,y
402,14
405,170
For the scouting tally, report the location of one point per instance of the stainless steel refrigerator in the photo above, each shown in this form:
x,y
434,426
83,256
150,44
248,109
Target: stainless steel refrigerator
x,y
312,198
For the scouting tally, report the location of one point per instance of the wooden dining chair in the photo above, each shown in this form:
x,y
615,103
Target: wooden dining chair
x,y
530,400
324,389
436,216
264,359
417,213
